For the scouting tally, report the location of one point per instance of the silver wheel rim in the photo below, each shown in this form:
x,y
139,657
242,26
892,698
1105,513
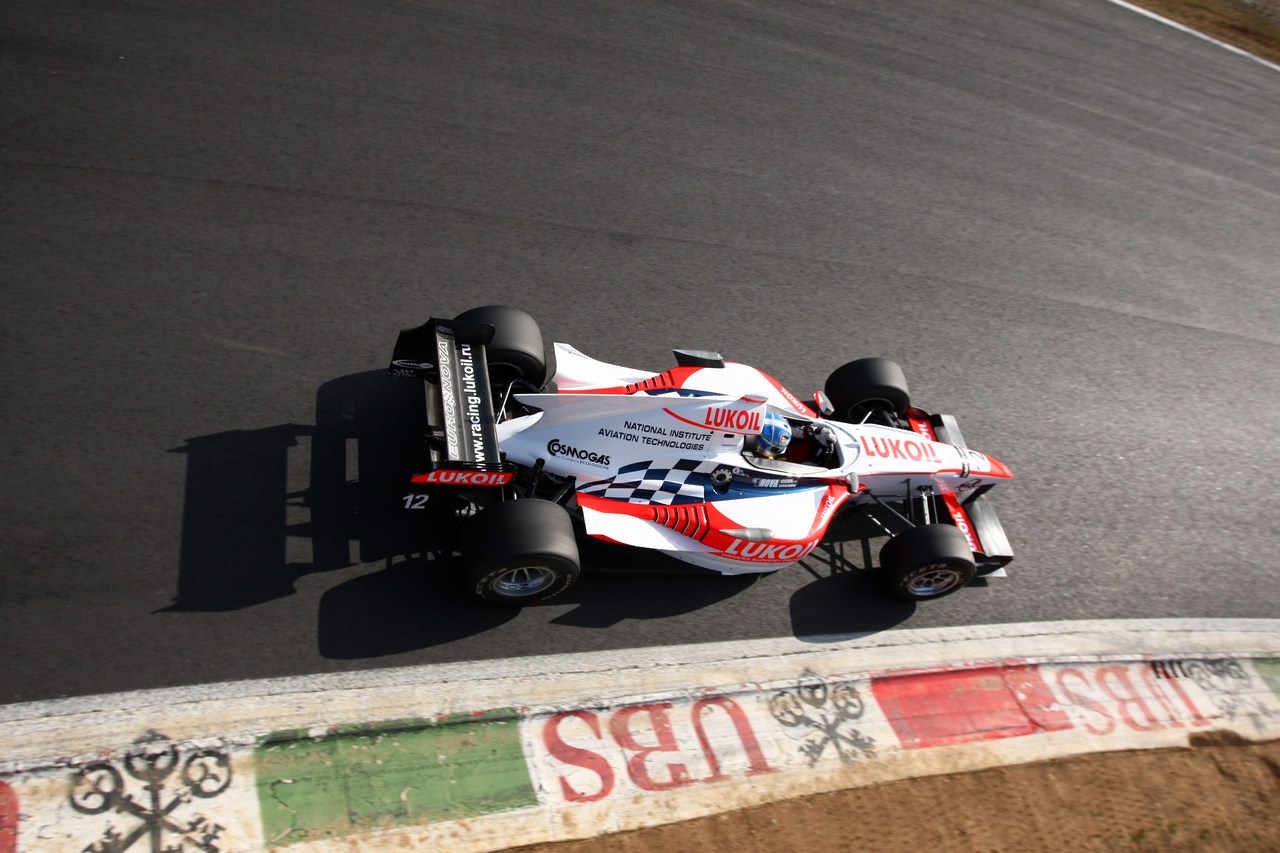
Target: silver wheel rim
x,y
932,580
524,580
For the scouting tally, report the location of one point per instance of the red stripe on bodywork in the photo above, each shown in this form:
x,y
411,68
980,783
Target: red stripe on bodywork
x,y
960,517
998,469
792,400
667,380
920,424
939,707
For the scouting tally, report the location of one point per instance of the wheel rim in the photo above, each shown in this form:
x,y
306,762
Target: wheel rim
x,y
524,580
933,580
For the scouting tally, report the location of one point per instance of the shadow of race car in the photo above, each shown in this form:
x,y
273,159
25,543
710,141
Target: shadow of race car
x,y
710,462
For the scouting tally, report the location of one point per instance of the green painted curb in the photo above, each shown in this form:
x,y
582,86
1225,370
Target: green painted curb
x,y
357,779
1269,669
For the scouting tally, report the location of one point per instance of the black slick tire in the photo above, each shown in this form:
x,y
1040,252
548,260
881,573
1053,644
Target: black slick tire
x,y
520,552
862,386
516,351
926,562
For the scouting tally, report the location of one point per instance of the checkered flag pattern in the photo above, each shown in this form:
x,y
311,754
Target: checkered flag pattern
x,y
656,482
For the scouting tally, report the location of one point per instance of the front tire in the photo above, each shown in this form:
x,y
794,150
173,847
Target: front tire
x,y
520,552
867,386
516,351
926,562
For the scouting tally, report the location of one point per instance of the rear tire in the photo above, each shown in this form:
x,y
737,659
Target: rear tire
x,y
516,351
926,562
866,386
520,552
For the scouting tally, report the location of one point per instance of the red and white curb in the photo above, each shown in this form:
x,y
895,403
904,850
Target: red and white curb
x,y
485,756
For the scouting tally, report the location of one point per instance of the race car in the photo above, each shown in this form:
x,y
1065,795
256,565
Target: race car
x,y
711,462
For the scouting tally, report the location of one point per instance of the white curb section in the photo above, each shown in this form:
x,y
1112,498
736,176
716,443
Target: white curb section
x,y
487,755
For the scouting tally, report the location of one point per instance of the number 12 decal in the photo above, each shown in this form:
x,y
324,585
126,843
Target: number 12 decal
x,y
415,501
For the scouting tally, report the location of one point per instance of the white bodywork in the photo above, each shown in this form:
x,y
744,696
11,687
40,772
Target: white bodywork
x,y
663,461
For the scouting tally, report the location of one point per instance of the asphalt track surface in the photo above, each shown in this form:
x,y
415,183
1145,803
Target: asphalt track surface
x,y
1062,218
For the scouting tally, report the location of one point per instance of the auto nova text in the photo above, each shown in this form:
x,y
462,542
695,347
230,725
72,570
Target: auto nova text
x,y
446,397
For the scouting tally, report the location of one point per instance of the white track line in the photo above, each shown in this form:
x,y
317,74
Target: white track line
x,y
1196,33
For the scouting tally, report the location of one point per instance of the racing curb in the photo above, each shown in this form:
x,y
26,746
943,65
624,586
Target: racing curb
x,y
486,756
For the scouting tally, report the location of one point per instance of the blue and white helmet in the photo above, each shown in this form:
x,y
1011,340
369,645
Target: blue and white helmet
x,y
774,438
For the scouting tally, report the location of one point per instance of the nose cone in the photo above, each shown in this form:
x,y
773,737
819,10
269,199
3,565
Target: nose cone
x,y
998,469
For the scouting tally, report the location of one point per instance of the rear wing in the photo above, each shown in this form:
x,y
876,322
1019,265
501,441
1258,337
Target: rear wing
x,y
462,438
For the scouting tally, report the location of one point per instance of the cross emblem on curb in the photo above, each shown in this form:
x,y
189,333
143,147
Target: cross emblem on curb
x,y
163,781
830,711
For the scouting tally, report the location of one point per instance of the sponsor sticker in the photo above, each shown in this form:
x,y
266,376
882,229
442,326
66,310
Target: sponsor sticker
x,y
901,448
410,364
451,477
767,552
447,399
961,520
639,432
559,449
733,420
472,402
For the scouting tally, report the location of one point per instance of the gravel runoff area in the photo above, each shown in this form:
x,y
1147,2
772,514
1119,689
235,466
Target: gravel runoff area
x,y
1251,25
1220,794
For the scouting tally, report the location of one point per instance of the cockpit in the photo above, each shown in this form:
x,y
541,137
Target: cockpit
x,y
793,444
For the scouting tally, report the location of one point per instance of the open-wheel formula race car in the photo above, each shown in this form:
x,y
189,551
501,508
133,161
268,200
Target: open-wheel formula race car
x,y
711,462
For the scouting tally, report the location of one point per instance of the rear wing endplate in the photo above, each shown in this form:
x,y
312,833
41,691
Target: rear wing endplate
x,y
450,356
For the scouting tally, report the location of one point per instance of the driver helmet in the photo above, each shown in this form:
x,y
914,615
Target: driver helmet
x,y
773,439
